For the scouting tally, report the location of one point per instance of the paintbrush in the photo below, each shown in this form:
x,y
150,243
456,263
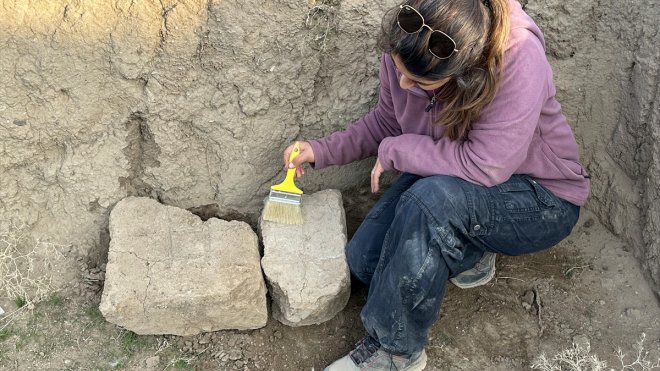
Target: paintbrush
x,y
284,201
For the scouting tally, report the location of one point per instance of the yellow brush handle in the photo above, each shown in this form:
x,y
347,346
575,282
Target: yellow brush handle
x,y
295,151
287,185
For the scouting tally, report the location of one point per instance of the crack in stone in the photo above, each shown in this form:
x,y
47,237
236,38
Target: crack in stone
x,y
146,291
304,282
144,259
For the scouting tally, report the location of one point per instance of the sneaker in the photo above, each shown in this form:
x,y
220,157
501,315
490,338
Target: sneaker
x,y
368,355
478,275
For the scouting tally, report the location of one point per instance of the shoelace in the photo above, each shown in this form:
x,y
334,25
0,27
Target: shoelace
x,y
393,364
364,350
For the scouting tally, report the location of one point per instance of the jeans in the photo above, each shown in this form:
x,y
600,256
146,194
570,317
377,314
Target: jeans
x,y
424,230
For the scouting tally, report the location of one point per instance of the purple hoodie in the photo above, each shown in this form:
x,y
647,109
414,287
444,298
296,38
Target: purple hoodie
x,y
522,131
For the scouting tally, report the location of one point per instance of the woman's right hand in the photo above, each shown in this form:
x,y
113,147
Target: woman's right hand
x,y
306,155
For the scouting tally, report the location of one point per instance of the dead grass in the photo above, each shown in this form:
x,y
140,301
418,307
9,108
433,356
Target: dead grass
x,y
21,257
321,20
25,270
578,358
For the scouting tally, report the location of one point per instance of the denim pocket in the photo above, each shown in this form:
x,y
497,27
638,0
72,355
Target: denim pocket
x,y
544,196
524,199
480,205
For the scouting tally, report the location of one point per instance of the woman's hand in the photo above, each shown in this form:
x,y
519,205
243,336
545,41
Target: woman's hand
x,y
375,176
306,155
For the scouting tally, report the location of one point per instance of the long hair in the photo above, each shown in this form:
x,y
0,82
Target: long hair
x,y
480,29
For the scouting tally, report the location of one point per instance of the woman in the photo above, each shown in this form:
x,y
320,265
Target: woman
x,y
467,112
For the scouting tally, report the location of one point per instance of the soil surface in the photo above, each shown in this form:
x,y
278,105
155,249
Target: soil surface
x,y
588,288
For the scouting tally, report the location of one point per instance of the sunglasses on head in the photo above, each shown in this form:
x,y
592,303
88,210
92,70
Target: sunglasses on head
x,y
411,21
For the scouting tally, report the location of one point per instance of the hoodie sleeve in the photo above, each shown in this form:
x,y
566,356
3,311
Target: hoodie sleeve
x,y
362,138
499,140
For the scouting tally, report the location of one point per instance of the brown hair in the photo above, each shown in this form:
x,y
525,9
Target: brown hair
x,y
480,29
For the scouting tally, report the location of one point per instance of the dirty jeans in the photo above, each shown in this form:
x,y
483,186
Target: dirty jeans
x,y
424,230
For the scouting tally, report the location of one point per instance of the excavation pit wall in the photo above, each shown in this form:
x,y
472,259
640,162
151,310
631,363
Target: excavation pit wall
x,y
190,103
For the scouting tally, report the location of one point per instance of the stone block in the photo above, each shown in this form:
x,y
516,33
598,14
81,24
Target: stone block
x,y
169,272
305,265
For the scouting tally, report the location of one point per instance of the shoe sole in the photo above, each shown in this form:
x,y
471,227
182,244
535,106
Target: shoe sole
x,y
419,365
481,282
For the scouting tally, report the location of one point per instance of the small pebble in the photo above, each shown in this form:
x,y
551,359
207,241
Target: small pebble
x,y
235,355
582,342
152,362
528,297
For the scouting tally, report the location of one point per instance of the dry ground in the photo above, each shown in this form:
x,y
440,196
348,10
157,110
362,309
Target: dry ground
x,y
589,288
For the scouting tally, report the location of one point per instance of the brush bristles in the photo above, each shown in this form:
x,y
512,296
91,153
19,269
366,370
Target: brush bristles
x,y
283,213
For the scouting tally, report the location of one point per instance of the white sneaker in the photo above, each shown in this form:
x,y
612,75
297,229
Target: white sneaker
x,y
368,355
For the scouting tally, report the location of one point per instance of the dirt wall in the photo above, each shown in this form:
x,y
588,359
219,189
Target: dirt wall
x,y
605,58
191,102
